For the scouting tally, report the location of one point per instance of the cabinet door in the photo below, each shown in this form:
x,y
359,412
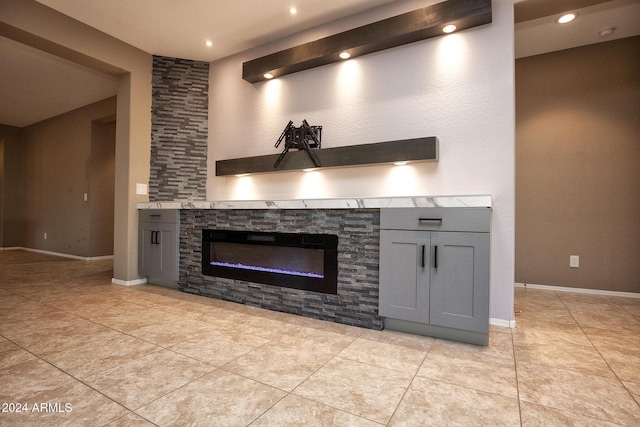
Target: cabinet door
x,y
158,250
404,275
146,249
460,281
167,256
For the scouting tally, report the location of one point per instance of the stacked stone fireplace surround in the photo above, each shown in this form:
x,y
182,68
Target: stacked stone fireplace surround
x,y
358,231
179,144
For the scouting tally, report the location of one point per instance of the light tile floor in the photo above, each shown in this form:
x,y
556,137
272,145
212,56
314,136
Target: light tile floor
x,y
77,350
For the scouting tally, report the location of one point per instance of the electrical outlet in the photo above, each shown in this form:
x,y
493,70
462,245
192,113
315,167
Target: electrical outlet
x,y
574,261
45,235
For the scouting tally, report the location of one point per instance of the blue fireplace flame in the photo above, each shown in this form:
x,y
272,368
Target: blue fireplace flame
x,y
267,269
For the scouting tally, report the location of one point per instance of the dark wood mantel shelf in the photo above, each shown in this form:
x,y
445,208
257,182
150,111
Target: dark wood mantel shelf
x,y
410,27
417,149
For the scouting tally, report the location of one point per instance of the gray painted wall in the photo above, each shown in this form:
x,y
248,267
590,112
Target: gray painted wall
x,y
46,168
12,223
577,174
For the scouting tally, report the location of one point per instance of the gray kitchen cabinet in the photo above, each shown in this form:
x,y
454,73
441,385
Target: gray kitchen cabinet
x,y
158,244
434,271
404,275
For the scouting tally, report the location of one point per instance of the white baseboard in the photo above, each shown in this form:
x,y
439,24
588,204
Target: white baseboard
x,y
129,282
63,255
578,290
502,322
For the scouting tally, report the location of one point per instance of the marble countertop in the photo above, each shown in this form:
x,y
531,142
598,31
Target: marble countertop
x,y
468,201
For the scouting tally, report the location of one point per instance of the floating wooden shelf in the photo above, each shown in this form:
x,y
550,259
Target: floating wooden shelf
x,y
417,149
407,28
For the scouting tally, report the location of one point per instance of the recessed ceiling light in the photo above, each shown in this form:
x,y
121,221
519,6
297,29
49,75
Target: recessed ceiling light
x,y
208,43
345,55
267,75
567,17
293,10
449,28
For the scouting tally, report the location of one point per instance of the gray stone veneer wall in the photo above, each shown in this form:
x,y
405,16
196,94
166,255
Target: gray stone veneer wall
x,y
358,232
179,129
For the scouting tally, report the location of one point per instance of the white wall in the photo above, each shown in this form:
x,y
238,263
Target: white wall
x,y
458,87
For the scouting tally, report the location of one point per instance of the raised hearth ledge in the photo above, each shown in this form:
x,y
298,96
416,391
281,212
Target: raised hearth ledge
x,y
471,201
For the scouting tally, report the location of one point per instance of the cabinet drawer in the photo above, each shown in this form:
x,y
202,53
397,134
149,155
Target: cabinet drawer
x,y
171,216
437,219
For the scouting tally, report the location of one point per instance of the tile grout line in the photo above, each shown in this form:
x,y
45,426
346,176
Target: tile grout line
x,y
515,370
415,375
620,381
162,307
72,377
124,334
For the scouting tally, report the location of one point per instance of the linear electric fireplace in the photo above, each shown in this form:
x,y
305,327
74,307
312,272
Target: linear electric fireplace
x,y
300,261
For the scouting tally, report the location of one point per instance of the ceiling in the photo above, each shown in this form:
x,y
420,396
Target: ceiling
x,y
536,31
168,28
28,73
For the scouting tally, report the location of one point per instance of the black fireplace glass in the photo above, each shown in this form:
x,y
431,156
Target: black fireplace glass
x,y
295,260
